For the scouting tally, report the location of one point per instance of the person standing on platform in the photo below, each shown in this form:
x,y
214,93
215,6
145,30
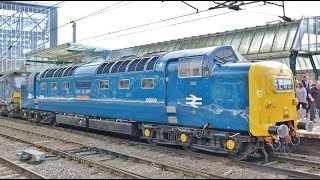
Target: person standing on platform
x,y
314,95
301,95
305,81
308,99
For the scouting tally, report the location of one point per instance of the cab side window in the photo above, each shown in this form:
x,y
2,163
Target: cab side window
x,y
224,56
190,67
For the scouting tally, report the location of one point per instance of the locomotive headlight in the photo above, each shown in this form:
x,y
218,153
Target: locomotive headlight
x,y
183,138
231,144
147,132
286,111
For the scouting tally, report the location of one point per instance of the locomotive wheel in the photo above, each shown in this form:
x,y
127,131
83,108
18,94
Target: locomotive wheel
x,y
242,154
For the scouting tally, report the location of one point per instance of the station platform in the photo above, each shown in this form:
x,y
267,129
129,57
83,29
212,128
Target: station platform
x,y
316,127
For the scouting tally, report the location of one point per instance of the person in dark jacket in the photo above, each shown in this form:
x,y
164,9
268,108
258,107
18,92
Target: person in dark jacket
x,y
308,99
314,95
305,81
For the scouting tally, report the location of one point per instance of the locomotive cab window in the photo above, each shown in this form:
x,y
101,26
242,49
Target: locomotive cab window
x,y
104,84
283,85
147,83
190,67
124,84
43,86
66,85
224,56
54,86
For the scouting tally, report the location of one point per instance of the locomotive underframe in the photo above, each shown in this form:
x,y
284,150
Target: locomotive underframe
x,y
203,139
206,139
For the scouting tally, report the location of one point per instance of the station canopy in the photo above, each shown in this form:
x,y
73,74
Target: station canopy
x,y
294,43
286,42
65,54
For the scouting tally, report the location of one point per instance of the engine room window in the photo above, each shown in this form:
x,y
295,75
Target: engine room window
x,y
104,84
43,86
66,85
190,67
124,84
283,84
147,83
54,86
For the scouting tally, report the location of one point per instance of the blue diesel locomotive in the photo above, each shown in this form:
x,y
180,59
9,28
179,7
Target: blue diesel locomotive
x,y
208,99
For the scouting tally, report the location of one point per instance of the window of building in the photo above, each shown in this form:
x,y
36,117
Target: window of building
x,y
124,84
147,83
66,85
104,84
190,67
54,86
43,86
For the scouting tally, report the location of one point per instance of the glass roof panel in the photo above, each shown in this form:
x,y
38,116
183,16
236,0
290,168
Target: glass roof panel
x,y
246,42
202,42
172,45
237,39
299,65
186,44
308,63
158,46
193,43
268,39
209,40
165,46
280,39
178,44
218,40
150,49
256,41
316,59
297,40
227,39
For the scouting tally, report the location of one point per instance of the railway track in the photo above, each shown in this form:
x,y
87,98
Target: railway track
x,y
105,159
12,170
270,167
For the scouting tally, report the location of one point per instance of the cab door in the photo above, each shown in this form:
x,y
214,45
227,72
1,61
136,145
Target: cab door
x,y
171,79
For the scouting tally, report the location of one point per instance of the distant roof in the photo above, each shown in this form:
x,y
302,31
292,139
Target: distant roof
x,y
71,53
271,40
29,3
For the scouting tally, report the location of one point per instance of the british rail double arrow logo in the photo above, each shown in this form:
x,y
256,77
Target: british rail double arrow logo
x,y
193,101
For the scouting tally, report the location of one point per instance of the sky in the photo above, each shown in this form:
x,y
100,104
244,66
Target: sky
x,y
111,24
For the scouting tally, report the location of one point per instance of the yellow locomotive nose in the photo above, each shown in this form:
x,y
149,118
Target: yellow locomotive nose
x,y
295,101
